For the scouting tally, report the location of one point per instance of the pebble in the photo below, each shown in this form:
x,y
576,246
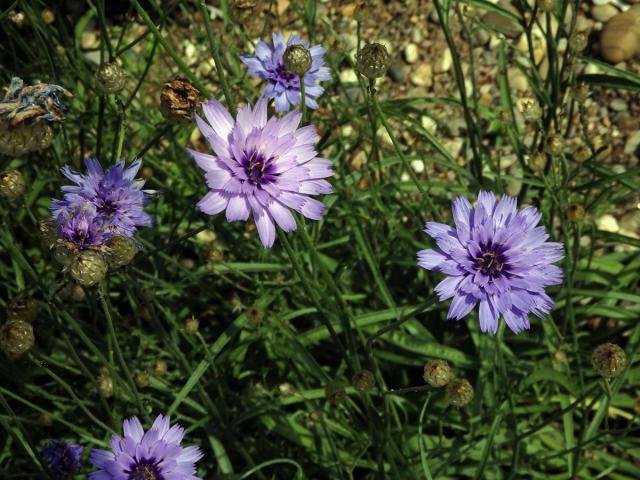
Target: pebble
x,y
348,76
423,76
618,105
583,24
416,35
514,185
445,62
607,223
411,53
602,13
417,165
429,124
633,142
631,222
517,80
454,147
457,127
397,72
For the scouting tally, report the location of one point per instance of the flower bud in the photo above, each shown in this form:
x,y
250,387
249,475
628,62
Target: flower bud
x,y
48,17
608,360
25,138
580,93
16,338
45,420
437,373
554,145
373,60
578,42
120,251
88,267
530,110
48,231
582,153
141,379
159,367
104,382
286,389
23,307
459,392
191,325
73,292
255,314
575,213
537,162
363,381
179,100
335,393
11,184
110,77
297,59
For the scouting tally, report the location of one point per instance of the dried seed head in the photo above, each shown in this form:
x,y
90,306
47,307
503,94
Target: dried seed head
x,y
554,145
297,59
580,93
179,100
335,393
437,373
363,381
255,314
19,19
578,42
608,360
12,184
48,17
88,267
120,251
160,367
286,389
373,60
459,392
48,231
530,110
110,77
25,138
575,213
582,153
546,6
537,162
23,307
191,325
104,382
141,379
16,338
242,10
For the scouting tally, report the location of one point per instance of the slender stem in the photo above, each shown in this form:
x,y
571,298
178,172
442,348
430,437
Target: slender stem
x,y
303,101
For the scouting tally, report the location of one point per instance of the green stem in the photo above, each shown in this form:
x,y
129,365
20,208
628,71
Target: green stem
x,y
303,101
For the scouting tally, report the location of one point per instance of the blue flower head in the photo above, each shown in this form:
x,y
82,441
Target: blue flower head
x,y
63,459
284,87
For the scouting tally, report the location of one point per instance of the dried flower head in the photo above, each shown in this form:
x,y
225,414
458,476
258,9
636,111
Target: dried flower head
x,y
459,392
497,257
297,59
268,63
160,367
62,459
437,373
141,379
23,307
582,153
16,338
578,42
363,381
335,393
554,145
537,162
191,325
152,455
373,60
120,251
104,382
530,110
88,267
12,184
608,360
179,100
110,77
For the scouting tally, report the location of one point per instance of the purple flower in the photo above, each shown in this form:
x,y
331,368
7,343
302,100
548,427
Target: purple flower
x,y
116,195
81,228
284,87
497,256
264,167
154,455
63,459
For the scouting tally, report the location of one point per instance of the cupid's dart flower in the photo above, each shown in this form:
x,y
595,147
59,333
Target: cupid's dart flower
x,y
63,459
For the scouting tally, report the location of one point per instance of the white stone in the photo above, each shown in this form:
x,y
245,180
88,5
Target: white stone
x,y
429,124
348,76
417,165
411,53
445,62
607,223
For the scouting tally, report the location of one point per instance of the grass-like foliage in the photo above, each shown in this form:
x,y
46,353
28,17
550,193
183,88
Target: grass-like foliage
x,y
328,355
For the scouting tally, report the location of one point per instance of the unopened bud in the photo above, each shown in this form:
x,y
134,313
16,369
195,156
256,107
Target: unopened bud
x,y
16,338
608,360
530,110
437,373
110,77
554,145
255,314
24,307
582,153
580,93
45,420
575,213
191,325
363,381
88,267
286,389
459,392
120,251
373,60
160,367
578,42
141,379
537,162
104,382
179,100
25,138
297,59
12,184
48,17
335,393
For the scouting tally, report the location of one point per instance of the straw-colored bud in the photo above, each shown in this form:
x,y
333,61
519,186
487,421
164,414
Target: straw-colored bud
x,y
48,231
25,138
578,42
110,77
459,392
141,379
575,213
437,373
554,145
104,382
530,110
120,251
580,93
373,60
297,59
608,360
88,267
335,393
191,325
363,381
537,162
23,307
179,100
48,17
160,367
16,338
12,184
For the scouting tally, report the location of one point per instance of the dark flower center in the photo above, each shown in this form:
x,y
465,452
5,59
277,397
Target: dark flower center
x,y
283,75
259,170
106,206
491,261
145,470
82,237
